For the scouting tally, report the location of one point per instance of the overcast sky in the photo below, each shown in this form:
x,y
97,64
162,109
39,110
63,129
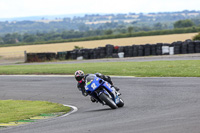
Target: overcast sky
x,y
24,8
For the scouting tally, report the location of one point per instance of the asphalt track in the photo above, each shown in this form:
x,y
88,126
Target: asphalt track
x,y
152,105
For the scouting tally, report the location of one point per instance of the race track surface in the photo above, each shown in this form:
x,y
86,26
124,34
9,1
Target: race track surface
x,y
152,105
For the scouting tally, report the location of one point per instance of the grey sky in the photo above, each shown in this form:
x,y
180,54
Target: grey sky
x,y
22,8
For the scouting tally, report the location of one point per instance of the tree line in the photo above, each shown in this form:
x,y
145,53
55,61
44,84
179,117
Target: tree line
x,y
181,26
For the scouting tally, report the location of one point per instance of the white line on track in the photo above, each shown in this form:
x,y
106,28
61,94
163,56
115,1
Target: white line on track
x,y
73,111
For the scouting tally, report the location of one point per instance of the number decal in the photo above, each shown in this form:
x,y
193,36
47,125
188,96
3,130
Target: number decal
x,y
86,88
93,86
117,100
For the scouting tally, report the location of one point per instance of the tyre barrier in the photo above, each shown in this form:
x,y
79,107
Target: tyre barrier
x,y
111,51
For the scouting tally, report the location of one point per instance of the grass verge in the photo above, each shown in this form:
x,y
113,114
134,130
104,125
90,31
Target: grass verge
x,y
14,110
183,68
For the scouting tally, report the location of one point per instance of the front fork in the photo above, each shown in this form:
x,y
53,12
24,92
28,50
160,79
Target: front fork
x,y
112,91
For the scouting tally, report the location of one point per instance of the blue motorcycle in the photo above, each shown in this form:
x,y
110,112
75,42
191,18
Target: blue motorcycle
x,y
103,92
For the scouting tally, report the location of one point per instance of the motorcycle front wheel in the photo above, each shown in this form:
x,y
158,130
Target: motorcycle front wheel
x,y
108,101
121,103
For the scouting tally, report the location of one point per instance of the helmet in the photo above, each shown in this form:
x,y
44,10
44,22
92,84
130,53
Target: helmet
x,y
79,75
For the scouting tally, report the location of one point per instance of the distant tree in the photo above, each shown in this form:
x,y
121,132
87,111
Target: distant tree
x,y
9,39
1,40
157,26
83,27
29,38
121,29
196,21
145,28
109,32
130,29
183,23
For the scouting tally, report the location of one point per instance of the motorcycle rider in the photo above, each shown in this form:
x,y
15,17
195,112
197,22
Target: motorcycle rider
x,y
80,77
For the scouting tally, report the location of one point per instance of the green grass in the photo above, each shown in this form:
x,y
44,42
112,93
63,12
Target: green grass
x,y
11,110
185,68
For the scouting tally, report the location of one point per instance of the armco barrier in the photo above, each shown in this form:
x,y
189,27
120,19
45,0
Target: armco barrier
x,y
111,51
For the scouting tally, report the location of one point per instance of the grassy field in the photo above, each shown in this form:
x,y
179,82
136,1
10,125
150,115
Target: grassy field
x,y
11,110
17,51
187,68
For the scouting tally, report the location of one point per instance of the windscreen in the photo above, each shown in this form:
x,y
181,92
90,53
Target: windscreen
x,y
90,78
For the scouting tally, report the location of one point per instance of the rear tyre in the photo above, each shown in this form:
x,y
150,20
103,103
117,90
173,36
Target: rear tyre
x,y
108,101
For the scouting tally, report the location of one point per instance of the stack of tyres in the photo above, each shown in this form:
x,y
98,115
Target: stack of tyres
x,y
74,54
96,53
68,55
159,48
109,50
61,55
50,56
140,50
177,47
79,53
191,47
197,46
135,50
153,49
128,51
120,49
85,53
147,50
184,48
91,54
102,52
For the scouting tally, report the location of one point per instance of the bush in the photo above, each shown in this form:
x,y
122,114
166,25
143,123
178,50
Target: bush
x,y
197,37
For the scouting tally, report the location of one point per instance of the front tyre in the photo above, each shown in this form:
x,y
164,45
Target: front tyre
x,y
121,103
108,101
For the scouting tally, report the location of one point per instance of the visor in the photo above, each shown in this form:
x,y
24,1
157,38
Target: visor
x,y
79,78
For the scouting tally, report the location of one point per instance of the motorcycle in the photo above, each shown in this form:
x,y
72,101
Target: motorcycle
x,y
103,92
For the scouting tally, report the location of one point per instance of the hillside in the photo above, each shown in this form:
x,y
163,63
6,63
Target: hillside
x,y
96,22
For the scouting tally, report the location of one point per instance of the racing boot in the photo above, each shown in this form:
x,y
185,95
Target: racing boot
x,y
116,91
116,88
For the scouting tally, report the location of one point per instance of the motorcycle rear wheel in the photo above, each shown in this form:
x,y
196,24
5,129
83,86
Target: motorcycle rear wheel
x,y
108,101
